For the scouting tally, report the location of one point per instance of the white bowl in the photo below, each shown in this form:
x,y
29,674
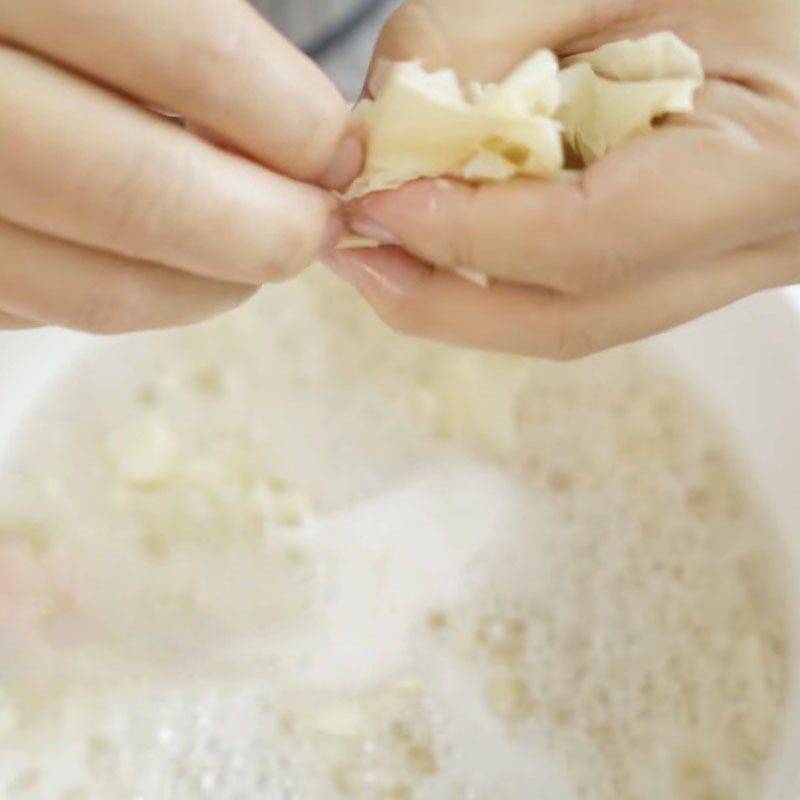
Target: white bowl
x,y
744,361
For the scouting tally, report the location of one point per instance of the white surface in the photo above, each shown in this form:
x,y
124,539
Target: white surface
x,y
29,361
746,361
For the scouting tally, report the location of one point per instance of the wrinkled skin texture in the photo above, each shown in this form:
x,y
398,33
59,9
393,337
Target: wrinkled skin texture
x,y
700,213
114,218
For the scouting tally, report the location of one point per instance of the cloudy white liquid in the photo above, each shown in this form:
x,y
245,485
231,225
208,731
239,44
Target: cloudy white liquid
x,y
291,555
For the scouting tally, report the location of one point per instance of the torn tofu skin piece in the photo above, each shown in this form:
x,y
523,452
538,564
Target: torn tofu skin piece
x,y
427,124
618,91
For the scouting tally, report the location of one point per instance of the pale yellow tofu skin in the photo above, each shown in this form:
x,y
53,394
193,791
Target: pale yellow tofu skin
x,y
424,125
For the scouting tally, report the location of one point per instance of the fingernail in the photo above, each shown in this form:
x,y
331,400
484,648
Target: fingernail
x,y
346,164
369,228
342,264
379,272
333,235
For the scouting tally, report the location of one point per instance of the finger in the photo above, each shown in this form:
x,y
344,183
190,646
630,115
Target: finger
x,y
463,34
81,164
416,299
217,63
55,283
8,322
687,192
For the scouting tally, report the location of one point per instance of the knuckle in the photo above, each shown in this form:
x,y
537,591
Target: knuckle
x,y
602,249
224,54
207,57
619,263
462,243
118,304
613,264
461,249
571,340
583,279
416,28
141,201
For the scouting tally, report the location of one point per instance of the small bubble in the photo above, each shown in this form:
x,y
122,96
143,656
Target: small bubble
x,y
401,792
166,736
370,778
74,794
154,546
560,481
148,396
400,730
698,500
208,381
420,760
503,638
369,747
287,722
26,780
510,699
99,753
437,620
208,781
344,780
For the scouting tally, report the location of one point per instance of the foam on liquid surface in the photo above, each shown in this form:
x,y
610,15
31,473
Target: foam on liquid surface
x,y
290,555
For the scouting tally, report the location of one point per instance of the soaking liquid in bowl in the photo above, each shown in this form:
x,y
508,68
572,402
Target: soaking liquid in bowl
x,y
289,554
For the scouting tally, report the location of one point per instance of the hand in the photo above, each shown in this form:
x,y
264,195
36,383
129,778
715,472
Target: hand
x,y
702,212
114,218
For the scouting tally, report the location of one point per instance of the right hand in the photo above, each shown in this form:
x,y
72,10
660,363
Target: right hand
x,y
700,213
113,218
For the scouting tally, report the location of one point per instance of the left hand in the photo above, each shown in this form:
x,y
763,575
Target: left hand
x,y
699,214
114,218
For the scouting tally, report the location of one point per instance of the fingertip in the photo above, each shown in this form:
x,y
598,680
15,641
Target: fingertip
x,y
334,231
387,215
418,195
370,228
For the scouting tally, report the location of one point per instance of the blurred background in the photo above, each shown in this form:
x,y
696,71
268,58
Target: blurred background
x,y
340,34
